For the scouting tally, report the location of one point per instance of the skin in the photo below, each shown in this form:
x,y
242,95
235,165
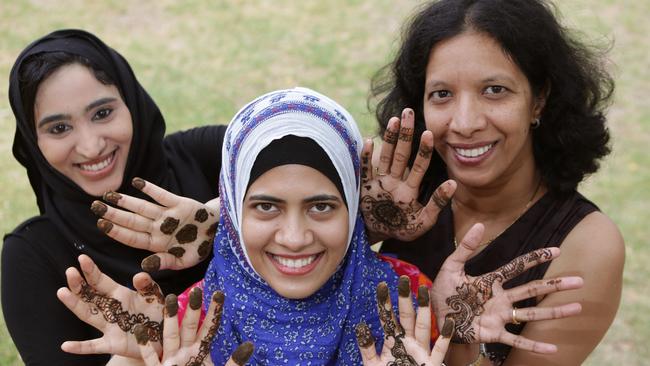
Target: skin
x,y
476,96
83,125
294,211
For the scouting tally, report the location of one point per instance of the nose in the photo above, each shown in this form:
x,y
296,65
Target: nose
x,y
294,233
468,117
90,142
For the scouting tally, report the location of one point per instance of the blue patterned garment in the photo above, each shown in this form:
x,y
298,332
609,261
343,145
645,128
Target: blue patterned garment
x,y
317,330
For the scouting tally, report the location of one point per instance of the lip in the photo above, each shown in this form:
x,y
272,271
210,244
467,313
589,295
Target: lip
x,y
102,173
295,271
473,160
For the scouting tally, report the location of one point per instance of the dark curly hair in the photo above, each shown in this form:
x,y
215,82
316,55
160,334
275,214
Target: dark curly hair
x,y
572,137
39,67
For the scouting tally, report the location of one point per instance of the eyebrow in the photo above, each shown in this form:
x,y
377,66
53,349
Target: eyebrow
x,y
89,107
316,198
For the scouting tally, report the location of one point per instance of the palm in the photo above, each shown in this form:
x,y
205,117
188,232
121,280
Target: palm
x,y
389,203
111,308
178,230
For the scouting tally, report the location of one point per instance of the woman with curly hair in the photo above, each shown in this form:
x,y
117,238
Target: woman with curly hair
x,y
510,107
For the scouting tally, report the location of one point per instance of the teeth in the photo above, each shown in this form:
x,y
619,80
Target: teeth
x,y
472,153
294,263
98,166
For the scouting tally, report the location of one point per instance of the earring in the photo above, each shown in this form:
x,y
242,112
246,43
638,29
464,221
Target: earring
x,y
535,124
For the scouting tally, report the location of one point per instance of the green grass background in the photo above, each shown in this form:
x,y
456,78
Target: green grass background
x,y
202,60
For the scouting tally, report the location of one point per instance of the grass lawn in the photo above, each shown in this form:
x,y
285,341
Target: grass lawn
x,y
202,60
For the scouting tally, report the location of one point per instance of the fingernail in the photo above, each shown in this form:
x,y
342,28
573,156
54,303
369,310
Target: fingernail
x,y
151,263
138,183
171,305
448,328
98,208
243,353
104,225
382,293
141,334
176,251
112,197
404,286
423,296
196,298
364,336
218,297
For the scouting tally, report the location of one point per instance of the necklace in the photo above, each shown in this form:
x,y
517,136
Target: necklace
x,y
528,204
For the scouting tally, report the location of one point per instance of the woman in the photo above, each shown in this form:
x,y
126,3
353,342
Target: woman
x,y
84,126
291,254
514,108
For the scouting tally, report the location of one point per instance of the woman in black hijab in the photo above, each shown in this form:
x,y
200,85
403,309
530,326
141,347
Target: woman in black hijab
x,y
36,254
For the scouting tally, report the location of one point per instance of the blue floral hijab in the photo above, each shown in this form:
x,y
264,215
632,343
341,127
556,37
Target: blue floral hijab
x,y
319,329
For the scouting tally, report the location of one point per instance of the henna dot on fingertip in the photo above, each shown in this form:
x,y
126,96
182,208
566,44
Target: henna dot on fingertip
x,y
423,296
112,197
98,208
138,183
196,298
171,305
151,263
382,293
448,328
141,334
243,353
404,286
104,225
218,297
364,336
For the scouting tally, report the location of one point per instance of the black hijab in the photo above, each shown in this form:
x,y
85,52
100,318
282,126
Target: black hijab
x,y
65,203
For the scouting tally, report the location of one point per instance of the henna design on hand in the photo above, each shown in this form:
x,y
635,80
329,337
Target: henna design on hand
x,y
201,215
176,251
98,208
187,234
152,293
390,137
425,151
387,216
111,310
204,249
243,353
204,349
406,134
169,225
364,336
112,197
392,329
470,298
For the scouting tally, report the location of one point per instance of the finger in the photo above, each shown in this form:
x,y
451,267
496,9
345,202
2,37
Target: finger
x,y
405,306
423,321
171,335
213,318
241,355
366,162
133,204
126,236
121,217
366,343
89,347
440,198
386,316
94,277
388,146
191,319
524,262
74,279
148,288
526,344
543,287
160,195
80,308
422,160
442,343
148,353
404,142
538,313
470,242
160,261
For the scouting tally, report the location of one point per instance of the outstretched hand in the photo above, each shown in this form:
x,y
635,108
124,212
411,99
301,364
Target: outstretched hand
x,y
406,342
190,345
111,308
481,308
179,230
389,202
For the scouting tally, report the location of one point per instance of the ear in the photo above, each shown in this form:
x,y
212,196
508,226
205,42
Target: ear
x,y
540,100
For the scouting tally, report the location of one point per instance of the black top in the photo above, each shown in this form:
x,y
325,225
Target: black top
x,y
545,224
36,254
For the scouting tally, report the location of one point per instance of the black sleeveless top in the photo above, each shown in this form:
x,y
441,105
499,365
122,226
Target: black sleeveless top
x,y
545,224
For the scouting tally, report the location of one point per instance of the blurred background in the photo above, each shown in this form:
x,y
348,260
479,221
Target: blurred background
x,y
201,61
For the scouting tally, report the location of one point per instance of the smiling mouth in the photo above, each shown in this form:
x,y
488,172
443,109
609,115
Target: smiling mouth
x,y
474,152
296,263
97,166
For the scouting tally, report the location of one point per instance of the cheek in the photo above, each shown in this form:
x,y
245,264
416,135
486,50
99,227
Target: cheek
x,y
55,151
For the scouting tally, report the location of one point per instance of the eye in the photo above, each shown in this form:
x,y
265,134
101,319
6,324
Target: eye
x,y
102,114
439,95
495,90
59,128
266,207
321,207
